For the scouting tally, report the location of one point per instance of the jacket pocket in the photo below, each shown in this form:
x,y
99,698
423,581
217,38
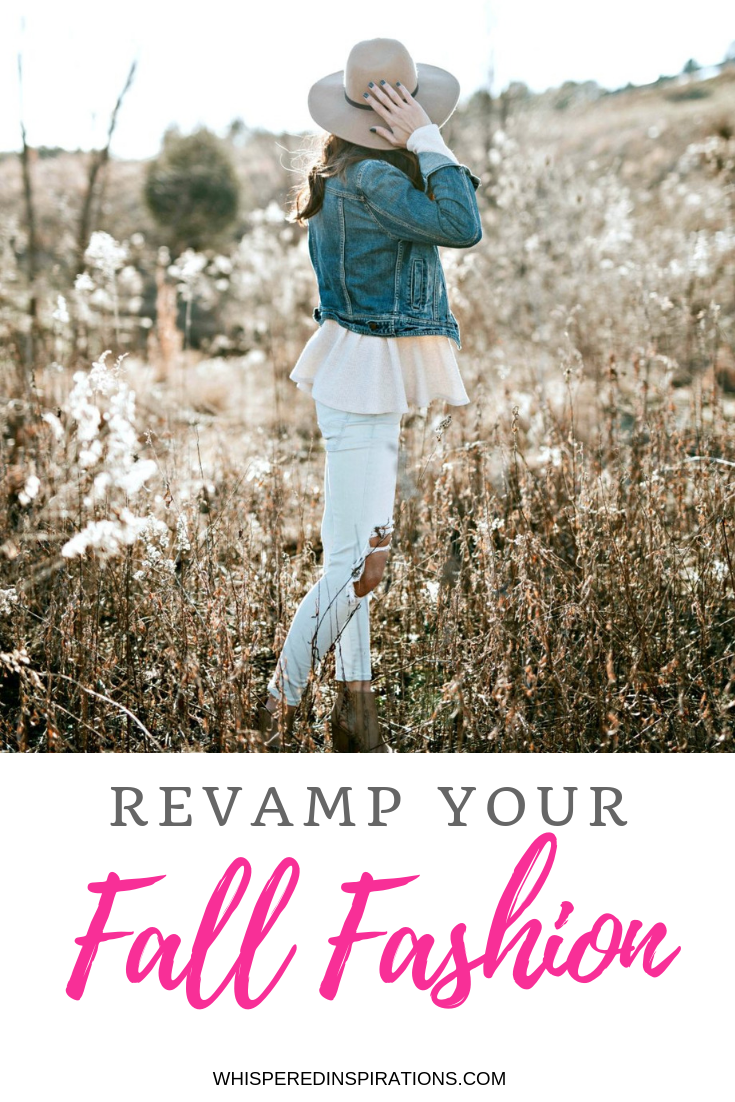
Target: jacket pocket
x,y
418,283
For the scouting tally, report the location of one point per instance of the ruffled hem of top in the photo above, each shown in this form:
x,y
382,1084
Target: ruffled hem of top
x,y
366,374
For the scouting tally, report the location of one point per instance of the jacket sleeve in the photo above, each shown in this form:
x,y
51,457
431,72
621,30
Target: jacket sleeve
x,y
451,218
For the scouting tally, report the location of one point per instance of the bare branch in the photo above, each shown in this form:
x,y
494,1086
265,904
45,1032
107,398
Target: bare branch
x,y
32,247
99,159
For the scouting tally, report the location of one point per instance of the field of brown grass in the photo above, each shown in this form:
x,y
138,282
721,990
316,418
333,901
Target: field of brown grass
x,y
562,575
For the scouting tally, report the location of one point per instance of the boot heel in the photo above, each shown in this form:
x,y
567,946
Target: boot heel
x,y
369,733
342,739
270,728
354,723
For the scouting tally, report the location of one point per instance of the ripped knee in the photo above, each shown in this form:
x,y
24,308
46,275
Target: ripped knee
x,y
374,561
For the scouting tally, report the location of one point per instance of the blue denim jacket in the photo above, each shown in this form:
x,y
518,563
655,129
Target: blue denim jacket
x,y
373,245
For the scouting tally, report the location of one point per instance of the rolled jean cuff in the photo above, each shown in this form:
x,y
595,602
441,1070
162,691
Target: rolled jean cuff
x,y
292,697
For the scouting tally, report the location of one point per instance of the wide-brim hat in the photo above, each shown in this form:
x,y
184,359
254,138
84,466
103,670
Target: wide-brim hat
x,y
336,102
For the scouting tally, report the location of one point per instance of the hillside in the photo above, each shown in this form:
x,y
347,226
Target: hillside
x,y
562,571
639,131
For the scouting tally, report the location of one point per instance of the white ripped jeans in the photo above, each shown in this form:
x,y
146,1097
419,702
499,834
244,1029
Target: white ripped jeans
x,y
360,473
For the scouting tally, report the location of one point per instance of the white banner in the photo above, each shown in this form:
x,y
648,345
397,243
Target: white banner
x,y
281,941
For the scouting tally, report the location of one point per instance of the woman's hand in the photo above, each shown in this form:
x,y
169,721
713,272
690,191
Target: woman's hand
x,y
400,111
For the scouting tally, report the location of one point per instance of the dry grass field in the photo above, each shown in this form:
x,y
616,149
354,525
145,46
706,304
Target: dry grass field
x,y
562,575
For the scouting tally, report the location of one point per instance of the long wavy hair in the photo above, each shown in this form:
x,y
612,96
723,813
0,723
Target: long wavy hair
x,y
331,158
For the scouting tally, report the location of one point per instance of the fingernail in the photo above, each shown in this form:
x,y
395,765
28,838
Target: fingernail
x,y
370,84
366,95
398,84
373,130
382,82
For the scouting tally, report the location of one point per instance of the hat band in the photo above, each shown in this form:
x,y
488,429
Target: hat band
x,y
366,106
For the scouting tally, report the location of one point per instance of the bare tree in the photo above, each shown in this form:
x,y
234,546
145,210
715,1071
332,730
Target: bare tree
x,y
32,237
488,129
98,161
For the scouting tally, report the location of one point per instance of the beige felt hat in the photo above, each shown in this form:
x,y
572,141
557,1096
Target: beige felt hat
x,y
337,104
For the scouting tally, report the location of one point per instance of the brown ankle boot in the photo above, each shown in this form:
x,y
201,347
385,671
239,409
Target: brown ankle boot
x,y
342,738
368,732
269,725
354,723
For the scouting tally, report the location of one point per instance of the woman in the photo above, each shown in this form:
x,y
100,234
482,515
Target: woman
x,y
378,201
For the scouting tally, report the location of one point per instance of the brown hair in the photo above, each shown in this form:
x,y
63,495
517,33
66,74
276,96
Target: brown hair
x,y
331,158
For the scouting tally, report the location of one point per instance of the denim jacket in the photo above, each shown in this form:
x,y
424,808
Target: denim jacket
x,y
373,246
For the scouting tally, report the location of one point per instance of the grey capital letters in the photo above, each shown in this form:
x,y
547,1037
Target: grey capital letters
x,y
317,794
222,819
378,810
456,809
545,807
120,807
599,807
279,809
168,807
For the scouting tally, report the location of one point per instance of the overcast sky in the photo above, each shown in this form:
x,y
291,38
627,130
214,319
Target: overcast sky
x,y
214,61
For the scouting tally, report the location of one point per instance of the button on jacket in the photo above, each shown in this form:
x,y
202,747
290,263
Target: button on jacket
x,y
374,245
